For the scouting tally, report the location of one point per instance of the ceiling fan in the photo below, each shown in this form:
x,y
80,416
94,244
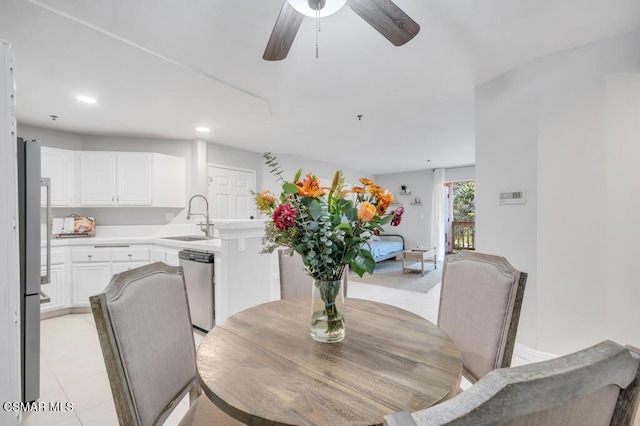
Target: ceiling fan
x,y
383,15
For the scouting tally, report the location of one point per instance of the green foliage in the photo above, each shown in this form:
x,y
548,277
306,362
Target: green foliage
x,y
464,205
271,162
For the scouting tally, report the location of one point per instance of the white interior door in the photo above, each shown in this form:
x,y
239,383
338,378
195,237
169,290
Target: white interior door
x,y
229,192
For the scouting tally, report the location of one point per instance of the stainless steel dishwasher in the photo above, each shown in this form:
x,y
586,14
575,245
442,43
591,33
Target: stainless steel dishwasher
x,y
198,278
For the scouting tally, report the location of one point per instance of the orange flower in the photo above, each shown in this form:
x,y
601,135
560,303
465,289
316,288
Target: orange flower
x,y
310,187
366,211
366,181
357,190
265,201
384,200
376,190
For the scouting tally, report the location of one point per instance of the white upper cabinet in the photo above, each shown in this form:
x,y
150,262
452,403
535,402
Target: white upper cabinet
x,y
131,179
97,179
57,165
134,179
169,181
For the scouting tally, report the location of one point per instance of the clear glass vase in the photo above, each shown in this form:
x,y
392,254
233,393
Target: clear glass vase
x,y
327,311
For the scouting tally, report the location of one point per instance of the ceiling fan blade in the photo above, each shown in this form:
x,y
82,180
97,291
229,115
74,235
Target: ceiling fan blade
x,y
283,34
387,18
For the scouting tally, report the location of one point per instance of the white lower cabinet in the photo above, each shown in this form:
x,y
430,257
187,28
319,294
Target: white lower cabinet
x,y
116,268
79,272
58,288
126,258
172,257
90,272
55,290
157,254
165,255
89,279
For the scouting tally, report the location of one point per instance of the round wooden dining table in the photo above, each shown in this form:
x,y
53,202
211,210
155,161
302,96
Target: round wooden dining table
x,y
261,366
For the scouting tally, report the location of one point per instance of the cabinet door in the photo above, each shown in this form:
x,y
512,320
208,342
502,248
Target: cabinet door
x,y
97,179
132,253
172,257
118,267
58,288
57,165
89,279
169,181
134,179
54,289
157,254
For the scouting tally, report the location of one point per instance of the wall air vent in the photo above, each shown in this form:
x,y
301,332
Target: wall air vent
x,y
516,197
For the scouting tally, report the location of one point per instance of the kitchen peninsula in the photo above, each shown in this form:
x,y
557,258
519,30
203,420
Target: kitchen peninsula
x,y
82,267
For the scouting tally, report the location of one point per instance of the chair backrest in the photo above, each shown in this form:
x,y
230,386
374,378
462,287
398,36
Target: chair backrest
x,y
596,386
145,332
480,301
294,282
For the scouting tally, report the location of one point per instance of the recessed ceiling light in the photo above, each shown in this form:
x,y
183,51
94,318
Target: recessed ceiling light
x,y
203,129
86,99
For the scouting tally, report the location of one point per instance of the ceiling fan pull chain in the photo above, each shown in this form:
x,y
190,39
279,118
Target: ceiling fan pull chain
x,y
317,30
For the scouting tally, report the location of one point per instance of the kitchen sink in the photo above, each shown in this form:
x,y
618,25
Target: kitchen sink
x,y
187,238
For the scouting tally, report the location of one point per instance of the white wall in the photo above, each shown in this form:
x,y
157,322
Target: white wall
x,y
52,138
416,223
416,220
290,164
460,174
564,129
622,130
9,278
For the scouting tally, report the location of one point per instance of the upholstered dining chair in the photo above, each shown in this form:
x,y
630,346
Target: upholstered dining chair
x,y
480,300
596,386
294,282
145,332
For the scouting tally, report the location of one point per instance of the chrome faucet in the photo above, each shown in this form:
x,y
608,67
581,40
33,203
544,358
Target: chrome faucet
x,y
204,227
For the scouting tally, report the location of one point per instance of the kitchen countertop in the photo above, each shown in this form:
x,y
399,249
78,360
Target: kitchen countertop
x,y
213,245
225,229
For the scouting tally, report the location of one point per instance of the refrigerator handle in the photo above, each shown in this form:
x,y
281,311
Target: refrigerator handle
x,y
46,182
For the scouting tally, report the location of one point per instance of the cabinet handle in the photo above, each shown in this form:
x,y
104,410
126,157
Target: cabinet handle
x,y
113,200
90,257
118,198
130,256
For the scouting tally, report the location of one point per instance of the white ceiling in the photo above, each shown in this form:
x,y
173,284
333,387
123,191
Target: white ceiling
x,y
160,68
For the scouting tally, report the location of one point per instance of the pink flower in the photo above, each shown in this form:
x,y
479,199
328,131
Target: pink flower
x,y
397,216
284,216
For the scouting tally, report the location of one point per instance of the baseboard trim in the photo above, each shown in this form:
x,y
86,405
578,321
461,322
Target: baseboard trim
x,y
65,311
530,354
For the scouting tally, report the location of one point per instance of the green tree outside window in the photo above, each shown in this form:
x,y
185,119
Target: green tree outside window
x,y
464,205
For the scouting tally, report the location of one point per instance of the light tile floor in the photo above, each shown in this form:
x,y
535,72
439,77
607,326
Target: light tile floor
x,y
72,367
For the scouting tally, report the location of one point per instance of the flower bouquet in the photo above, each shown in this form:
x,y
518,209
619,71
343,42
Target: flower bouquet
x,y
329,231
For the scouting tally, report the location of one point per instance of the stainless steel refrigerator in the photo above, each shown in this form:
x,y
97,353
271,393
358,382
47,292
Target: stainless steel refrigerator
x,y
34,209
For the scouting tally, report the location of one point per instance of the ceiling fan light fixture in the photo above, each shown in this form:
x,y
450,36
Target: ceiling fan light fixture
x,y
306,7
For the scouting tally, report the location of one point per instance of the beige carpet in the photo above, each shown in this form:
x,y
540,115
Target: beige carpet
x,y
388,273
